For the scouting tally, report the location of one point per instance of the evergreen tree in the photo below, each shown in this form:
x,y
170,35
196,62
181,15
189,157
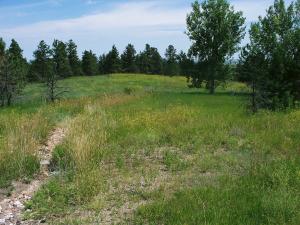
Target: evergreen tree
x,y
2,80
149,61
187,65
112,62
156,62
270,63
89,63
60,57
171,67
12,73
215,30
40,64
44,67
102,65
128,59
73,58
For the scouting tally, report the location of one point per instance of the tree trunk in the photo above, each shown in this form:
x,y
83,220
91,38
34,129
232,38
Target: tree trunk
x,y
9,97
254,106
212,84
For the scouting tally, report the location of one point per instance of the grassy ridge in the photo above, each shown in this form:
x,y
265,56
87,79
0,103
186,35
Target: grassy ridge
x,y
147,150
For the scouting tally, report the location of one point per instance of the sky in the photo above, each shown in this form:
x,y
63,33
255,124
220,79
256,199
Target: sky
x,y
98,24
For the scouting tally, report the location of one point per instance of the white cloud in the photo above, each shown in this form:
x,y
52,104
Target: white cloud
x,y
128,22
124,16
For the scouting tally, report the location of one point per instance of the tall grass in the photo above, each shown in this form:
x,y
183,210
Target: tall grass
x,y
21,136
146,150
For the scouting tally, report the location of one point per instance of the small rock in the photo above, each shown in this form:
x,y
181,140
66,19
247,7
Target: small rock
x,y
6,201
2,221
18,204
8,216
45,162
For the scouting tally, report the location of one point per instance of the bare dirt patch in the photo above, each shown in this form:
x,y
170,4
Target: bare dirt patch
x,y
12,207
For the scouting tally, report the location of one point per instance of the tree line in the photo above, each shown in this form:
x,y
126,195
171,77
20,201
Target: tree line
x,y
68,63
269,63
61,60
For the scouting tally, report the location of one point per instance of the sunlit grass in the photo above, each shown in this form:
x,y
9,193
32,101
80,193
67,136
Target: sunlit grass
x,y
147,150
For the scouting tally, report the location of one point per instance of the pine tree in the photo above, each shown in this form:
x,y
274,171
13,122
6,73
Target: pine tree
x,y
143,60
44,68
74,61
60,57
128,59
149,61
40,64
270,63
2,77
102,64
171,67
187,65
113,63
13,72
89,63
156,62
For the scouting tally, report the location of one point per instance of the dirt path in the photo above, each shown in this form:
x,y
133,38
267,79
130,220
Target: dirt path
x,y
12,207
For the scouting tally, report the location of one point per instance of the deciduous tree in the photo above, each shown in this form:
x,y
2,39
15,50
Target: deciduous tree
x,y
215,29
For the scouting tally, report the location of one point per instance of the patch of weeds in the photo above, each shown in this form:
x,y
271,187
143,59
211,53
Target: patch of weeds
x,y
173,162
61,160
30,166
128,91
120,162
11,169
52,199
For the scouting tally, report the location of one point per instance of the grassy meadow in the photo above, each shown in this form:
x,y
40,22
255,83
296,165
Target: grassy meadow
x,y
146,149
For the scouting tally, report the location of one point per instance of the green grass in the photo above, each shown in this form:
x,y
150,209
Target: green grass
x,y
147,150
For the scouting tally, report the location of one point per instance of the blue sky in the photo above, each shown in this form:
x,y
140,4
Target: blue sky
x,y
98,24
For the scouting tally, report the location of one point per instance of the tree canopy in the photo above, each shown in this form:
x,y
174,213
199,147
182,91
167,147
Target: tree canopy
x,y
216,30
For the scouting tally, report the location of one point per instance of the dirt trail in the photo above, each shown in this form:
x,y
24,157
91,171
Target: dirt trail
x,y
12,207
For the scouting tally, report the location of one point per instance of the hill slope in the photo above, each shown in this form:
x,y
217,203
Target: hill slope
x,y
146,149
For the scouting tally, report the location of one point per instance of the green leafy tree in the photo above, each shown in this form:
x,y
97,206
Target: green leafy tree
x,y
128,59
13,72
215,30
74,60
270,63
89,63
171,66
60,57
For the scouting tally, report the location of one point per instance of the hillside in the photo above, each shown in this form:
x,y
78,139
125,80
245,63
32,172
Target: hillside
x,y
143,149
